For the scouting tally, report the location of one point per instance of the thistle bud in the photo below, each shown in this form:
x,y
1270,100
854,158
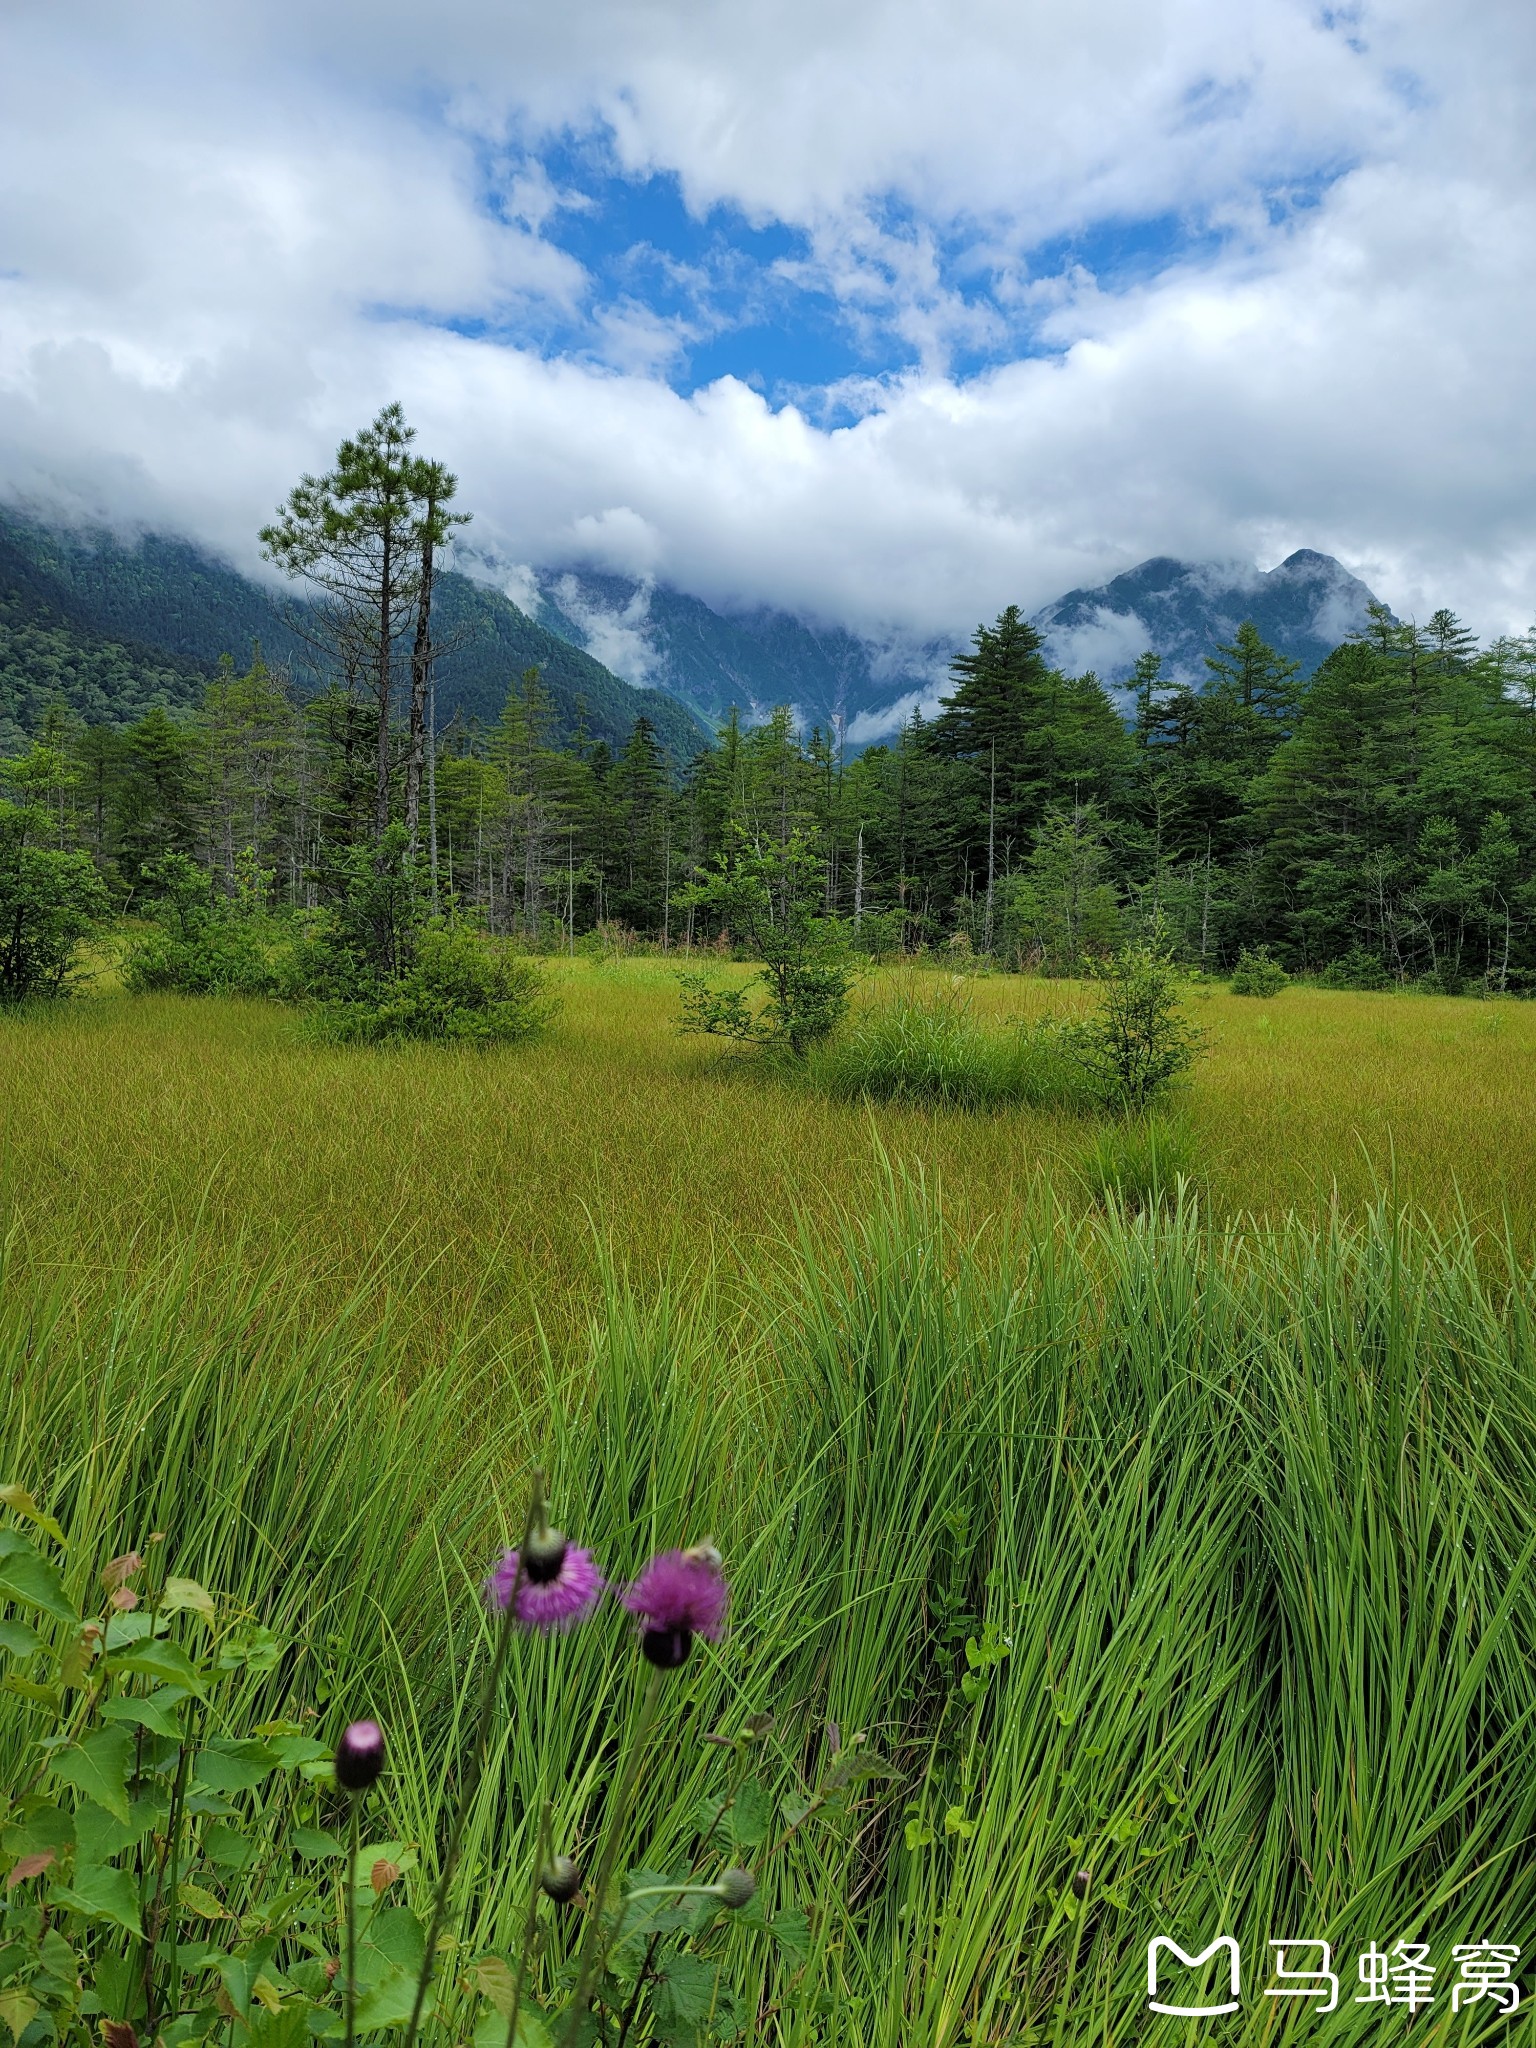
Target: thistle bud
x,y
737,1888
560,1880
360,1756
666,1648
543,1555
1080,1882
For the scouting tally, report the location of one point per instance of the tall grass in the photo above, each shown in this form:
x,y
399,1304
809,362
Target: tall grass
x,y
453,1193
1235,1523
929,1049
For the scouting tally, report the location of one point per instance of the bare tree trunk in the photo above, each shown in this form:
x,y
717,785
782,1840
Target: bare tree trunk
x,y
858,880
991,850
432,783
421,676
382,681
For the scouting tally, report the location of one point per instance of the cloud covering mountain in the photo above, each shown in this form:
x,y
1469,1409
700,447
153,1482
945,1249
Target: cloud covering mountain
x,y
661,638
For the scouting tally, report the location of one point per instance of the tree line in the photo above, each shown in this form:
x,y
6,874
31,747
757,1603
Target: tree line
x,y
1373,824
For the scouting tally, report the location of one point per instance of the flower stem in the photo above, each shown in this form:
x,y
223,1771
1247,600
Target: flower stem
x,y
353,1803
594,1947
476,1763
530,1923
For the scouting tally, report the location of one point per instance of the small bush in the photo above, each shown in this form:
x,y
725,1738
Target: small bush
x,y
935,1052
1139,1041
1256,974
1356,969
460,989
202,943
1140,1164
49,903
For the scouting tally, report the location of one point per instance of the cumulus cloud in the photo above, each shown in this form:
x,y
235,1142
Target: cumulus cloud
x,y
227,236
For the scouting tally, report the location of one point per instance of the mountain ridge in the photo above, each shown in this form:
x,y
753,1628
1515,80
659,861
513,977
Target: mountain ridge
x,y
110,626
763,657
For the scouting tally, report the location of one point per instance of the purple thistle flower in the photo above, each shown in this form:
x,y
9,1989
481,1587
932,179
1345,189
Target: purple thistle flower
x,y
359,1756
557,1602
680,1594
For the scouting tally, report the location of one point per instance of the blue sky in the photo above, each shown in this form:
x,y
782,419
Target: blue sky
x,y
889,313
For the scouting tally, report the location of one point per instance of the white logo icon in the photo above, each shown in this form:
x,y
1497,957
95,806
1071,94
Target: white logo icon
x,y
1192,2012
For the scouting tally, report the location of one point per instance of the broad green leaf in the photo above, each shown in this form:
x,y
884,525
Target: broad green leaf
x,y
17,2010
101,1837
123,1629
186,1596
44,1827
685,1987
752,1815
792,1931
231,1848
233,1766
532,2028
21,1502
32,1580
493,1978
43,1695
102,1894
156,1711
388,2002
99,1767
286,2027
314,1843
193,1899
396,1934
59,1959
19,1639
293,1750
156,1658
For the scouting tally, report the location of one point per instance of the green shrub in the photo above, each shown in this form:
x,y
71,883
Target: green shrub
x,y
933,1051
1140,1164
769,899
1356,969
1256,974
49,902
459,989
203,942
1138,1042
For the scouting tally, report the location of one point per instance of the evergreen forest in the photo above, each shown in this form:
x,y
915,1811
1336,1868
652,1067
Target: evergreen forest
x,y
1373,824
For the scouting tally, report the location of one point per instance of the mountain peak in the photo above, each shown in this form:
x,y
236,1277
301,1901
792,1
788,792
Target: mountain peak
x,y
1182,610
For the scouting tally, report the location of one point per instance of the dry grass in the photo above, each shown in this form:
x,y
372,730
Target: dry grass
x,y
133,1130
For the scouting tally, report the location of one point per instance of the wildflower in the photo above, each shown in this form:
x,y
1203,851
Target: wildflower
x,y
560,1880
680,1594
737,1888
359,1756
558,1587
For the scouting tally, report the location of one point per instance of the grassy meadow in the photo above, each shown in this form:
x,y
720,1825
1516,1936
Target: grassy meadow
x,y
1193,1550
460,1194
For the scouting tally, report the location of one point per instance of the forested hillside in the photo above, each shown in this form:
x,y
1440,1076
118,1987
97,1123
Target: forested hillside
x,y
109,627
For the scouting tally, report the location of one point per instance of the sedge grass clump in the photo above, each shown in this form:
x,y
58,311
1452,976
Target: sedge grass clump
x,y
1141,1163
934,1052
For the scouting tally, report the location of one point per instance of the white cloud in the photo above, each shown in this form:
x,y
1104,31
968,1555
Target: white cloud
x,y
1103,643
226,236
614,635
